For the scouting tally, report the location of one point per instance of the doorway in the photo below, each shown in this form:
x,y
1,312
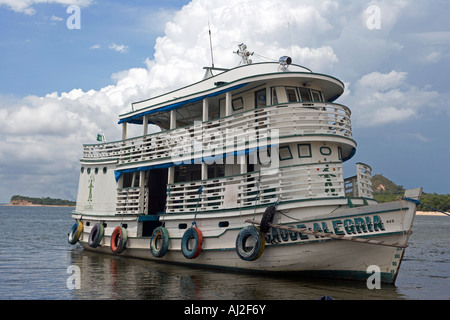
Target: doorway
x,y
157,189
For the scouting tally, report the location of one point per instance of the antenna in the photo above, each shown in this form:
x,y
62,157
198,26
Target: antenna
x,y
290,42
210,45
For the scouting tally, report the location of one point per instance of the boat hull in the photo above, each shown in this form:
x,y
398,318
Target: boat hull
x,y
387,226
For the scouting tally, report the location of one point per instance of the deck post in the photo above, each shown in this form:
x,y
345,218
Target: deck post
x,y
228,103
173,125
145,125
124,131
205,117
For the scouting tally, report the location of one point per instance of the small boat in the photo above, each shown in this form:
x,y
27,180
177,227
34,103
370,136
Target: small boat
x,y
245,172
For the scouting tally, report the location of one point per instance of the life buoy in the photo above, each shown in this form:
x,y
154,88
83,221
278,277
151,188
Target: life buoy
x,y
267,219
196,235
118,240
96,235
250,253
160,236
75,232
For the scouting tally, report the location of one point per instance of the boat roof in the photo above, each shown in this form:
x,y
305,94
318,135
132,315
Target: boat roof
x,y
238,79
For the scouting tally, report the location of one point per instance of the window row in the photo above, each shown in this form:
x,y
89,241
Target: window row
x,y
297,94
304,151
96,170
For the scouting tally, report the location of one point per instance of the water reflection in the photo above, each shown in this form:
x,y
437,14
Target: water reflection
x,y
109,277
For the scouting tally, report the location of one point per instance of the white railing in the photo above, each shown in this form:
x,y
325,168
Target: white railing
x,y
228,133
131,201
286,184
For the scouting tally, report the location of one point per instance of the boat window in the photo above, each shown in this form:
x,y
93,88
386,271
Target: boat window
x,y
238,104
291,94
316,96
188,173
326,151
260,97
127,178
137,179
285,153
304,151
274,96
223,224
130,180
214,110
216,170
304,94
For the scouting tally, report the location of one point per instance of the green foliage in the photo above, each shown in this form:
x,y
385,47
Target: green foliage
x,y
440,202
44,201
384,190
382,185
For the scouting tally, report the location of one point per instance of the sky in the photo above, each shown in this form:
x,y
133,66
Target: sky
x,y
68,68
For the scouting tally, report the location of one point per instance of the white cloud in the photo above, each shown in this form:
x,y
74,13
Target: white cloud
x,y
382,82
95,46
25,6
119,47
382,98
55,18
433,57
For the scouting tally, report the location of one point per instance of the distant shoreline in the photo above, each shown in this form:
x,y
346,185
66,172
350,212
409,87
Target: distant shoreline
x,y
34,205
429,213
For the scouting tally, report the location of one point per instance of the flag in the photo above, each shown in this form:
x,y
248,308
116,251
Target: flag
x,y
99,137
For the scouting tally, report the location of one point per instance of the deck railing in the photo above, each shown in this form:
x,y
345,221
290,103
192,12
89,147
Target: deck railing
x,y
292,183
131,201
242,191
228,133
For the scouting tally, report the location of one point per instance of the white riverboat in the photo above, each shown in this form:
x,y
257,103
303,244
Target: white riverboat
x,y
245,173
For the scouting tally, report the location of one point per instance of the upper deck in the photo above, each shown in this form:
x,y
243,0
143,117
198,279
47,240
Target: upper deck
x,y
237,81
246,103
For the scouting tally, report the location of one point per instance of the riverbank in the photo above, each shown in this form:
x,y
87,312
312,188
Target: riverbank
x,y
29,204
21,201
34,205
429,213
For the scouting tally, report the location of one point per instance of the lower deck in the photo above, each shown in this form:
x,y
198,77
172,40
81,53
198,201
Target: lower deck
x,y
285,251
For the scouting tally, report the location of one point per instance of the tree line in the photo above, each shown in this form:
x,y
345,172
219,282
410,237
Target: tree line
x,y
385,190
44,201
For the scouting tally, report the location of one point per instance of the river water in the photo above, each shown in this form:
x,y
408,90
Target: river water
x,y
37,263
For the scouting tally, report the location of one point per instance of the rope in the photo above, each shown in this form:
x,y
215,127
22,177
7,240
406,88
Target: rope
x,y
418,202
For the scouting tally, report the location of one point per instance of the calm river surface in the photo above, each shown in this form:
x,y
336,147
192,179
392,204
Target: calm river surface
x,y
36,262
